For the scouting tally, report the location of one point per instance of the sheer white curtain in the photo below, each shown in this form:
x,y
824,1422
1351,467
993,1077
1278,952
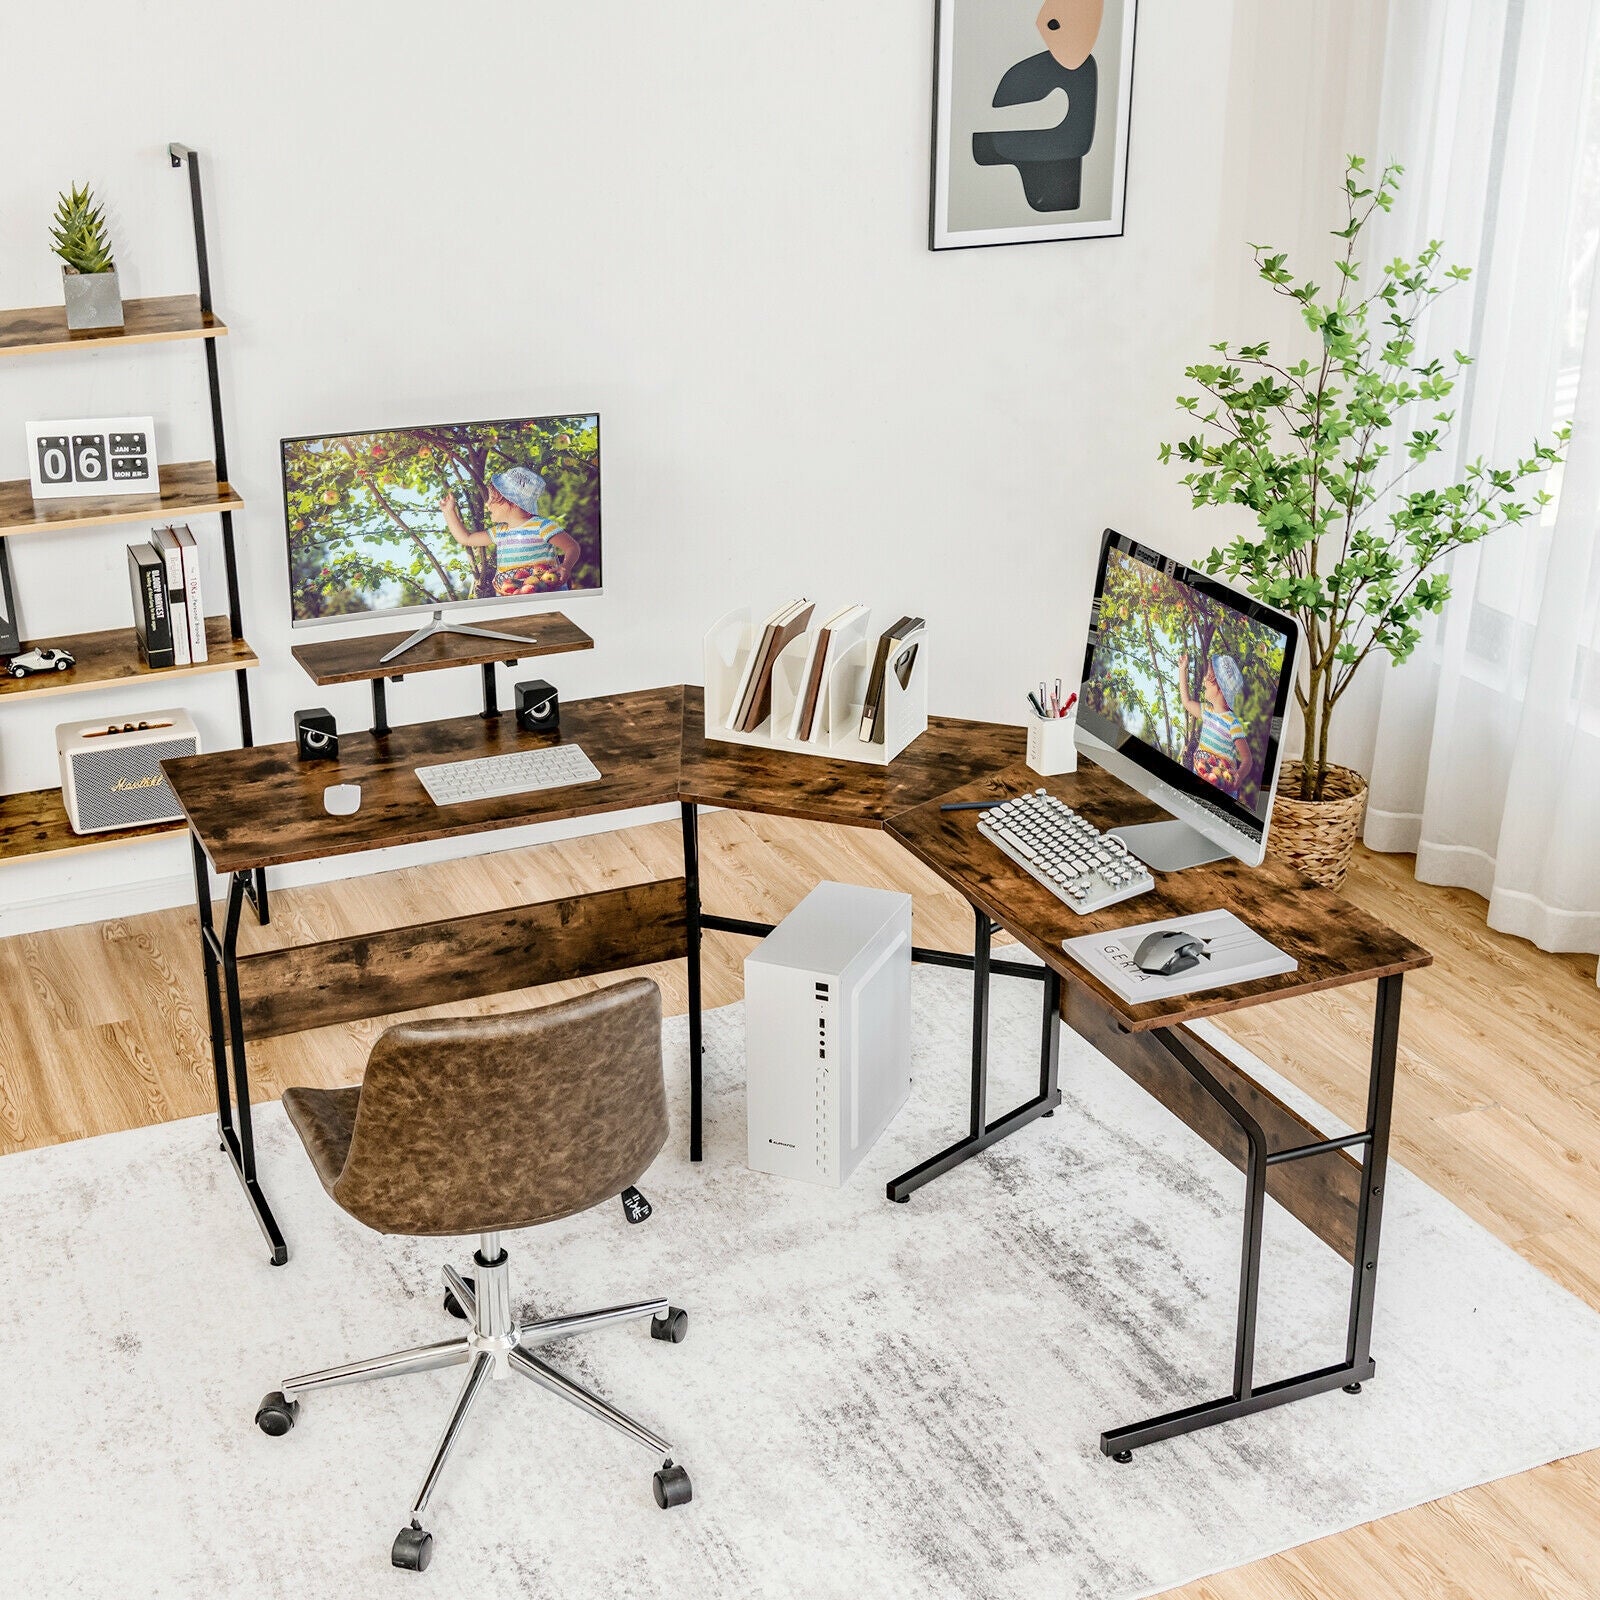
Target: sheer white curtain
x,y
1487,757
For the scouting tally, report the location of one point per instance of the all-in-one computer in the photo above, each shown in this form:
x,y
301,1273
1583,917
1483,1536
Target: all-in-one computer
x,y
1185,686
420,519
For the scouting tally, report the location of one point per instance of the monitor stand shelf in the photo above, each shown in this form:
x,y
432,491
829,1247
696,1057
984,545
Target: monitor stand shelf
x,y
361,659
904,711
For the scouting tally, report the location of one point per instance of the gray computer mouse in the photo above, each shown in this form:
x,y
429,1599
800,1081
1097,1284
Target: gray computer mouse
x,y
1165,955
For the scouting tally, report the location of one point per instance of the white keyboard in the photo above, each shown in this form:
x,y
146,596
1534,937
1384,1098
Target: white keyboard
x,y
517,772
1070,857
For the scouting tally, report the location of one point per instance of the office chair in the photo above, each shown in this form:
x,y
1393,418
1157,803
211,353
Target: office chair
x,y
481,1125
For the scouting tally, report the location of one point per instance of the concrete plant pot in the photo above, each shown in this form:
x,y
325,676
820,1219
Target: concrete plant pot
x,y
94,299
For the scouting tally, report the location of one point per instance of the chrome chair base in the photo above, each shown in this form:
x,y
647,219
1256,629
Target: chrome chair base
x,y
495,1344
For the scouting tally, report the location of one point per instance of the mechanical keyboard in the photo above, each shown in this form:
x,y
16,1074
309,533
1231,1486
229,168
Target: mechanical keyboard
x,y
555,766
1070,857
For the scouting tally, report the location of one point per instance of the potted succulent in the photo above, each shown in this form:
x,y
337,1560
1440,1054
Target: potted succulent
x,y
1344,540
88,274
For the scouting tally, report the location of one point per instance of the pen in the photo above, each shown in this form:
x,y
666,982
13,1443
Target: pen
x,y
1072,700
1038,705
972,805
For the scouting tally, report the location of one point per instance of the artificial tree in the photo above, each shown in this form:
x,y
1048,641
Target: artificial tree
x,y
1343,542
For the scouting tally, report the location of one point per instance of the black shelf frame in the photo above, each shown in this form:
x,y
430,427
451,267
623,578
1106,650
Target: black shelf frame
x,y
181,155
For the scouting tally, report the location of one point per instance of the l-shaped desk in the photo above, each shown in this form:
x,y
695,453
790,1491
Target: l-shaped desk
x,y
257,808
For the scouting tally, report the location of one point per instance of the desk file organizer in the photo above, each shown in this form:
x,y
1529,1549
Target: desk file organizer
x,y
904,710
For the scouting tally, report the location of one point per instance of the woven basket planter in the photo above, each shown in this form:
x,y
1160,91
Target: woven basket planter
x,y
1318,837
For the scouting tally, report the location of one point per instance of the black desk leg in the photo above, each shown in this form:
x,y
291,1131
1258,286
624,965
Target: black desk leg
x,y
219,958
255,891
1050,1044
1246,1398
1374,1170
691,891
981,1133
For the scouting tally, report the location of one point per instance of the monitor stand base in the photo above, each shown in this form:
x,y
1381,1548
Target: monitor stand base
x,y
439,625
1169,846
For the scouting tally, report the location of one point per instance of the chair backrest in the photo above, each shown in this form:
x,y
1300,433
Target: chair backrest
x,y
474,1124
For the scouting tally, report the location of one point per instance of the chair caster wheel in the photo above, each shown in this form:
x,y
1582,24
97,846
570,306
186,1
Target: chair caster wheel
x,y
413,1549
672,1487
1352,1388
454,1306
674,1328
275,1415
1123,1457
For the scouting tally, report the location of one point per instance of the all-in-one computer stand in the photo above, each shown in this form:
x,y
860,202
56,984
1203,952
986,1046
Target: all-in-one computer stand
x,y
1169,846
439,625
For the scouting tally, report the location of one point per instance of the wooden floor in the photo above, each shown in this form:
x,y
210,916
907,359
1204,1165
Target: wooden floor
x,y
102,1028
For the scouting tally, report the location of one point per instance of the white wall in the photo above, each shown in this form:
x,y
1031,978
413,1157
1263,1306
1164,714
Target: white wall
x,y
708,221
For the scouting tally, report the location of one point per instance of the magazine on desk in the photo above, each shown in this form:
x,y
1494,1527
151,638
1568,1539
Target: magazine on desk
x,y
1235,953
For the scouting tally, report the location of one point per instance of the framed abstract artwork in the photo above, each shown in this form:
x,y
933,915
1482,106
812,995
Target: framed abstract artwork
x,y
1031,109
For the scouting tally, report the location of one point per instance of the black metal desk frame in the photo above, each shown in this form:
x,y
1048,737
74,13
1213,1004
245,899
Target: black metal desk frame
x,y
1245,1396
219,959
219,955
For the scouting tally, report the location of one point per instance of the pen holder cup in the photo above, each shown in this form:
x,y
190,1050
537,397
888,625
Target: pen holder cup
x,y
1051,750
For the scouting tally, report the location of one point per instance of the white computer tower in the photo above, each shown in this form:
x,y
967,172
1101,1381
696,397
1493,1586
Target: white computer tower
x,y
827,1005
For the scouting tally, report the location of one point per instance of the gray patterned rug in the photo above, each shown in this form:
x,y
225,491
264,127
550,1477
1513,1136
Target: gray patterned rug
x,y
873,1400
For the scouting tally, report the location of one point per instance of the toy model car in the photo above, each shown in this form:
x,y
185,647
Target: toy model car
x,y
32,662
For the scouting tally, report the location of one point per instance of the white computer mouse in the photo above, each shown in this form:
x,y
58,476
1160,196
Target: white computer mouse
x,y
1165,955
341,799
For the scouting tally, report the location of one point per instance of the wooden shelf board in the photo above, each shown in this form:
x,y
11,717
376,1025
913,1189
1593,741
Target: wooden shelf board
x,y
544,633
188,488
37,329
34,824
113,657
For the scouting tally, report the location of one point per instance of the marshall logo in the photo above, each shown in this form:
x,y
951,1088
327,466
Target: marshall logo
x,y
125,785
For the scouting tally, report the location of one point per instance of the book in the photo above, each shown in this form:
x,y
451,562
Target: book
x,y
1236,953
871,728
825,649
167,547
733,717
152,620
191,582
745,695
774,641
10,627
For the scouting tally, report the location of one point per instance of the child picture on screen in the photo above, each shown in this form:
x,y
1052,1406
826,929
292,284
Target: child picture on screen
x,y
1187,675
414,518
1223,754
533,554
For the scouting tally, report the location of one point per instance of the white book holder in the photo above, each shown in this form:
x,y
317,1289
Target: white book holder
x,y
836,731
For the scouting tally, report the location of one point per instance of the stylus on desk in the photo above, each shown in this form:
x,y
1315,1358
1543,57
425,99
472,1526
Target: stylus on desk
x,y
972,805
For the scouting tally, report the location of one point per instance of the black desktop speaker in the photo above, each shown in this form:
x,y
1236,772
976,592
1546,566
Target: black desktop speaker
x,y
317,734
538,707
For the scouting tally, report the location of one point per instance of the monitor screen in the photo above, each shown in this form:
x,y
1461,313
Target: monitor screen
x,y
408,519
1188,678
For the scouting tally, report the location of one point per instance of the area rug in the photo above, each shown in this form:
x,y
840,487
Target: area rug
x,y
873,1400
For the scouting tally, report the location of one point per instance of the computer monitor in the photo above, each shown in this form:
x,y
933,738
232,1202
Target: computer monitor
x,y
1186,684
398,520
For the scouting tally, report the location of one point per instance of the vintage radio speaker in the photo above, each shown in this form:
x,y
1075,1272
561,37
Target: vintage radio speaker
x,y
111,771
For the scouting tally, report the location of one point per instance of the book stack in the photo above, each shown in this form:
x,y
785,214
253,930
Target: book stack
x,y
838,687
169,617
